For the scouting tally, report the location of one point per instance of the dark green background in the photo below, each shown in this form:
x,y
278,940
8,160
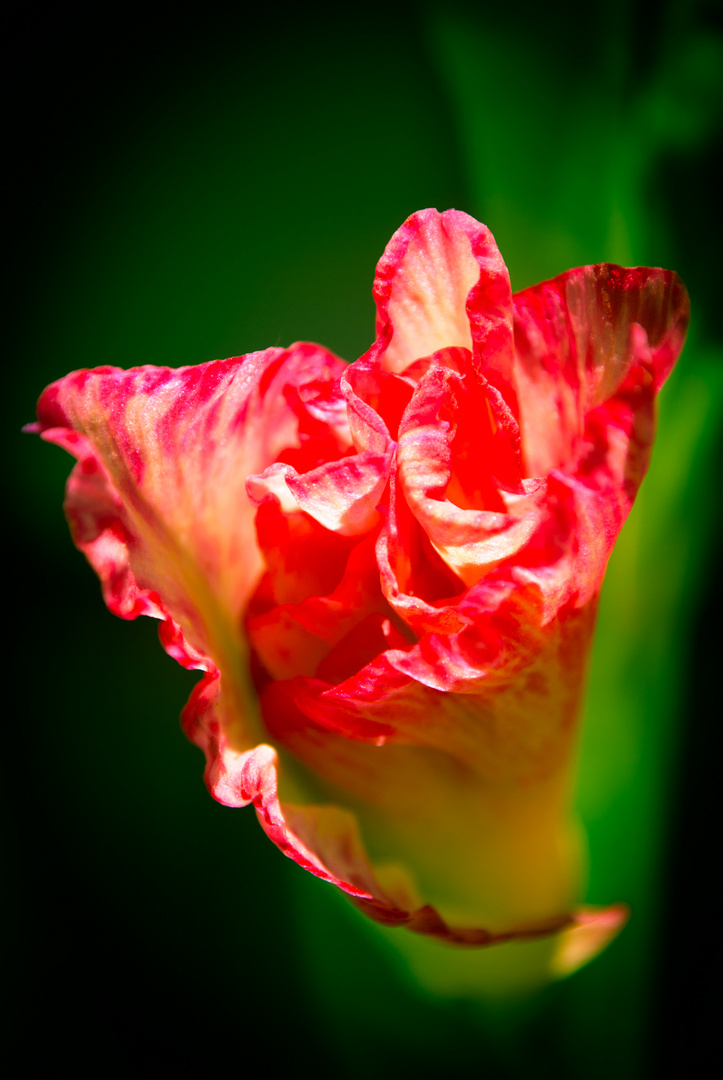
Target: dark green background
x,y
190,184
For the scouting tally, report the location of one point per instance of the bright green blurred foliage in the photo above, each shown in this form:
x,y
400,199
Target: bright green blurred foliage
x,y
194,187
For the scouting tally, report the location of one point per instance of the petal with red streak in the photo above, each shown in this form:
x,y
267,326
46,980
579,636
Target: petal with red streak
x,y
376,400
514,723
421,588
442,283
575,343
158,500
451,452
344,495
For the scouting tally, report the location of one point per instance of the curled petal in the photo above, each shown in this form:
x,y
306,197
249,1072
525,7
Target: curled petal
x,y
376,400
421,588
272,481
332,829
341,495
344,495
209,721
469,541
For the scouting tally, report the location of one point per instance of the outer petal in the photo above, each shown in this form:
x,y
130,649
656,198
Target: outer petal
x,y
409,792
575,343
158,503
326,842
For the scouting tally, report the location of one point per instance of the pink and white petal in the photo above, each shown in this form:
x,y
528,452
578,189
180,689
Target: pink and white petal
x,y
576,341
509,717
559,563
473,542
575,516
158,499
343,495
179,445
589,505
442,283
483,451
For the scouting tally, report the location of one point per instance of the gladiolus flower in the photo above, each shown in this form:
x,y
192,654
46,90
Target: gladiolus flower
x,y
388,572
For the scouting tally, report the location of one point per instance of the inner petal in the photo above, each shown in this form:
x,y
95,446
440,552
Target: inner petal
x,y
459,469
